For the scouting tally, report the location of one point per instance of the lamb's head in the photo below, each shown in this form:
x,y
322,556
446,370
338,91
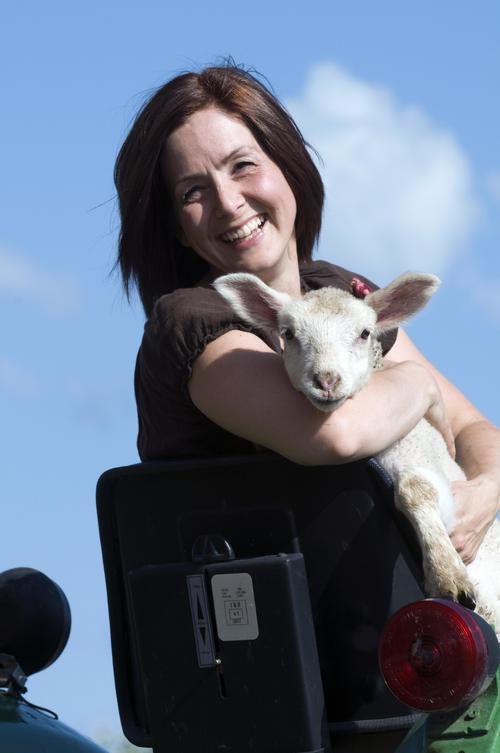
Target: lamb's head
x,y
329,337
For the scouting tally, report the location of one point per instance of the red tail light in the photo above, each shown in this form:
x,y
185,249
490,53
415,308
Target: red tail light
x,y
436,655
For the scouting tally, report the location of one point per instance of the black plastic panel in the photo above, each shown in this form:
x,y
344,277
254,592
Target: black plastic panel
x,y
362,562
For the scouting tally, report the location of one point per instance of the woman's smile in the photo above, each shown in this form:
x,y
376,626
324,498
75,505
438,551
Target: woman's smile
x,y
249,230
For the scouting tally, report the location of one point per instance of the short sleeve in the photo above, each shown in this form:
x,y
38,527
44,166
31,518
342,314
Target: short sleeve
x,y
184,322
181,326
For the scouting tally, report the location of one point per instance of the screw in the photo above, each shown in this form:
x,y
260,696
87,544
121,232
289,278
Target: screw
x,y
471,714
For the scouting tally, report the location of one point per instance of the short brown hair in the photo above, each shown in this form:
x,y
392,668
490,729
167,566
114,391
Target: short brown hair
x,y
149,253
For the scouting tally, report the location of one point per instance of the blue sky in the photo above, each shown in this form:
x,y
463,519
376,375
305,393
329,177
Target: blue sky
x,y
401,99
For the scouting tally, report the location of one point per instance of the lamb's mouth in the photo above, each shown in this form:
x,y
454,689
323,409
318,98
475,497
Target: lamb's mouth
x,y
327,404
246,231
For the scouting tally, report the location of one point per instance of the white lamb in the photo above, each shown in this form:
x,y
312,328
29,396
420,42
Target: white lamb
x,y
330,348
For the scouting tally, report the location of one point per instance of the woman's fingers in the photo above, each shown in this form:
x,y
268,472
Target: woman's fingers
x,y
475,503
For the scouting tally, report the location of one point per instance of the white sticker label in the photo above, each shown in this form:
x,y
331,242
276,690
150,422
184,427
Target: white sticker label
x,y
234,605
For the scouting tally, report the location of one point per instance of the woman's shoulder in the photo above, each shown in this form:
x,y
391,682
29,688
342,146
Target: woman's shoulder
x,y
181,321
188,304
185,321
319,274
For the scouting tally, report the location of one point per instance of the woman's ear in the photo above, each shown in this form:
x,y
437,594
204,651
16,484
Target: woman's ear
x,y
181,236
179,233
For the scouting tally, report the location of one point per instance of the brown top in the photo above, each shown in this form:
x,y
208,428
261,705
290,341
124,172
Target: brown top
x,y
182,324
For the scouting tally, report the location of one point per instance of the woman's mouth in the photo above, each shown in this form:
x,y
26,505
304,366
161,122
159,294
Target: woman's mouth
x,y
246,231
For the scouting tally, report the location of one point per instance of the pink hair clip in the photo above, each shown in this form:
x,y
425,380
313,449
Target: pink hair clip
x,y
359,288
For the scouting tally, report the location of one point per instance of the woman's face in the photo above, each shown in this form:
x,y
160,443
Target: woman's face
x,y
233,204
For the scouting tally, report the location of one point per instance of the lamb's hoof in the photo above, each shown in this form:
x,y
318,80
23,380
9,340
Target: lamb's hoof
x,y
451,585
467,599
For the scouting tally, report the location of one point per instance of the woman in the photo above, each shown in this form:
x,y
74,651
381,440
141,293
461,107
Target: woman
x,y
213,178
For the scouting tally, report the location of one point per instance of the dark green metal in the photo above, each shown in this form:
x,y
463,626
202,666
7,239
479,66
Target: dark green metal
x,y
475,729
24,729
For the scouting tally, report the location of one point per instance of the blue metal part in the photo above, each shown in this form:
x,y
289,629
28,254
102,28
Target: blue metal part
x,y
416,739
24,729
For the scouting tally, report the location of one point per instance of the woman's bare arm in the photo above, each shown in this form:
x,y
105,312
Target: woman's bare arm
x,y
478,452
241,385
460,411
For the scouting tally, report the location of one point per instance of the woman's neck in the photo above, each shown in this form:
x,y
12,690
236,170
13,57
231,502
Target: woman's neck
x,y
284,280
285,275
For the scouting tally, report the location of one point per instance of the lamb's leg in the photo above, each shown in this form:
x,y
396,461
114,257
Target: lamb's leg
x,y
445,574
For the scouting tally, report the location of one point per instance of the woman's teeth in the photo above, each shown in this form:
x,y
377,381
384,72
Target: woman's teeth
x,y
244,232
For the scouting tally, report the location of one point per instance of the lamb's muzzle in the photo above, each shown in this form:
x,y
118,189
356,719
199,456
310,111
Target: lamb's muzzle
x,y
326,381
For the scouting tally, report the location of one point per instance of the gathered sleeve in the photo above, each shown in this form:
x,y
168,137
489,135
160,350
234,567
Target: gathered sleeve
x,y
181,326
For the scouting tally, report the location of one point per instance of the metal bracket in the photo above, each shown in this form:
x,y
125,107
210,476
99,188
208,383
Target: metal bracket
x,y
12,676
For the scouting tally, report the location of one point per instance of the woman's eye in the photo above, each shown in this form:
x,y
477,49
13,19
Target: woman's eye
x,y
192,194
242,164
365,334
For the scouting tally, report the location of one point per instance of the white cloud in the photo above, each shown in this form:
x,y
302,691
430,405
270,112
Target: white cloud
x,y
22,279
16,380
399,187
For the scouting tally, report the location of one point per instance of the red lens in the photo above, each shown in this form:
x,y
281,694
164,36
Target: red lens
x,y
434,655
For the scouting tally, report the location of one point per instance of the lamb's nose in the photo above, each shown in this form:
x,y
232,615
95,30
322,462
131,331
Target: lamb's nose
x,y
326,380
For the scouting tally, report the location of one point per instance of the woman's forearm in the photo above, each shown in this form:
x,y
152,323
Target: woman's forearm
x,y
388,408
478,452
241,385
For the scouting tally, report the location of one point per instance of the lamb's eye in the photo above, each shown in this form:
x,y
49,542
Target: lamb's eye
x,y
365,334
288,334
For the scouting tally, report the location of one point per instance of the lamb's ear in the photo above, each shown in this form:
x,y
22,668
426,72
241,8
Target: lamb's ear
x,y
401,299
251,299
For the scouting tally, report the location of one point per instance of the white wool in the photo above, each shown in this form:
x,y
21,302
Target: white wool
x,y
331,349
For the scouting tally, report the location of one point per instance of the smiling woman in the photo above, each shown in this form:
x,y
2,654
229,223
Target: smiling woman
x,y
151,189
215,177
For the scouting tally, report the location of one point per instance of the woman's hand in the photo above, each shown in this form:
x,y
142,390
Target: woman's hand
x,y
478,499
476,508
477,452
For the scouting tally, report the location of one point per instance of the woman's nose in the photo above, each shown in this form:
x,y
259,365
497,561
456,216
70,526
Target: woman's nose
x,y
228,198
